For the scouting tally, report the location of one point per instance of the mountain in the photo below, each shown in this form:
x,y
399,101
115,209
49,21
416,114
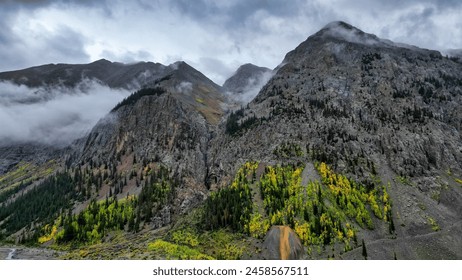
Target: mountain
x,y
168,124
380,112
246,82
55,82
353,141
113,74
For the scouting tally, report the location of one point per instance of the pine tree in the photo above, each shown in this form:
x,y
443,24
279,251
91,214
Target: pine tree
x,y
364,250
391,226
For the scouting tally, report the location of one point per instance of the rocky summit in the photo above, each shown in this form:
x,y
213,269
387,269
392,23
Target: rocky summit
x,y
352,145
246,82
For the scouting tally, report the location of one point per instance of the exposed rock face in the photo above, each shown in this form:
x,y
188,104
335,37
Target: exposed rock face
x,y
369,107
171,127
282,243
245,84
12,155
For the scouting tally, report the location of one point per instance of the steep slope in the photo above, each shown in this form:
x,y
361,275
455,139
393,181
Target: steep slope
x,y
158,135
168,124
246,82
378,111
51,82
194,89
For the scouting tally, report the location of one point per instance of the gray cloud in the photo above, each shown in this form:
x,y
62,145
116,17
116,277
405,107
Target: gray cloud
x,y
217,68
21,47
230,32
251,88
56,115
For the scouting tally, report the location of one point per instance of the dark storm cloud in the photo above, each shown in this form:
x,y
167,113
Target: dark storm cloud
x,y
41,3
62,45
396,4
20,50
235,13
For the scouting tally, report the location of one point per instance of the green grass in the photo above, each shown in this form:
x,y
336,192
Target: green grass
x,y
21,170
24,174
173,251
221,244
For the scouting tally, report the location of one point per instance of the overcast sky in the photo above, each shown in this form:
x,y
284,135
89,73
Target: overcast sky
x,y
213,36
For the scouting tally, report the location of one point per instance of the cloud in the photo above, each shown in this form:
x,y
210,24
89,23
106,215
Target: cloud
x,y
218,70
253,87
185,87
230,32
24,44
244,86
55,116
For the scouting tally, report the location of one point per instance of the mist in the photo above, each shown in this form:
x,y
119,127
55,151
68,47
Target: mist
x,y
185,88
248,91
53,115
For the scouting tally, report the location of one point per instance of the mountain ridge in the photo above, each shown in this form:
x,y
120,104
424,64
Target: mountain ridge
x,y
347,117
110,73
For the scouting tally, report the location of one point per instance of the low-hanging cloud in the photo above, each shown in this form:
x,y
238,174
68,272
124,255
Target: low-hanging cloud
x,y
251,88
54,116
185,87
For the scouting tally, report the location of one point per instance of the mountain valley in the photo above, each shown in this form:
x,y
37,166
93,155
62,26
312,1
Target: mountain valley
x,y
352,142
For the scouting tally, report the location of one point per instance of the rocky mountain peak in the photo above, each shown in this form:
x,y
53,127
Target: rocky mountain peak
x,y
370,108
101,61
341,43
343,31
184,71
193,89
245,83
250,67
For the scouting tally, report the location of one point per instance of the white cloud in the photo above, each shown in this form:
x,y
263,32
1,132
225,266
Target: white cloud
x,y
56,115
185,88
253,87
231,32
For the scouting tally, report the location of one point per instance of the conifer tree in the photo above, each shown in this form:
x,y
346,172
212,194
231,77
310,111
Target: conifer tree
x,y
364,250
